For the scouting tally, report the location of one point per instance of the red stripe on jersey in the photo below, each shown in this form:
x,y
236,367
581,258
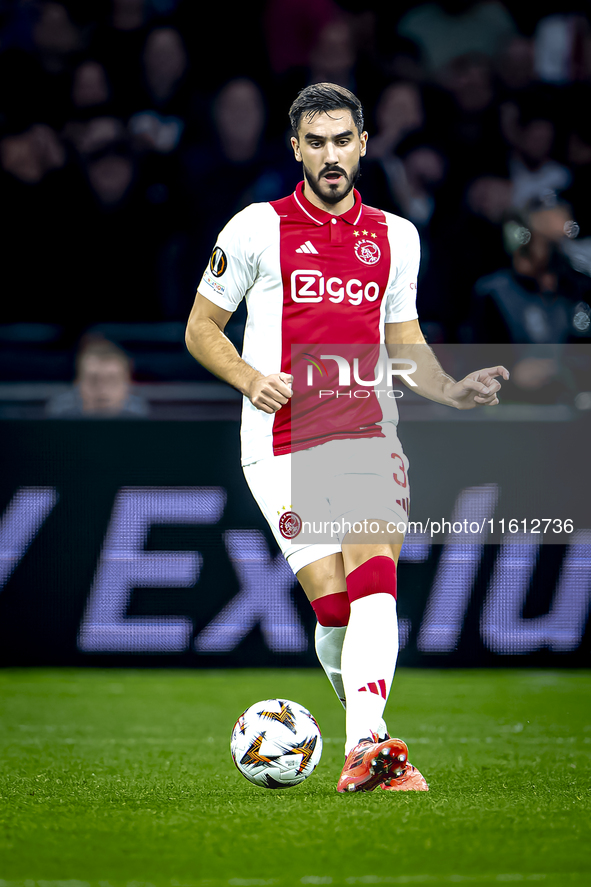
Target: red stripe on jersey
x,y
332,296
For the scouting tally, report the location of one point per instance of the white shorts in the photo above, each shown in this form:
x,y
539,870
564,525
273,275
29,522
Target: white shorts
x,y
312,498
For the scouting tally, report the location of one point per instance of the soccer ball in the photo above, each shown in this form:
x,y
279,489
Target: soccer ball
x,y
276,743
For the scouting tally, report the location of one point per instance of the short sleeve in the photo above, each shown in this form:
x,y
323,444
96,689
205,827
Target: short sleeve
x,y
232,266
401,295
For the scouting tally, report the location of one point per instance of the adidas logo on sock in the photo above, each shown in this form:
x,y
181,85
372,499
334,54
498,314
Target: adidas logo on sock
x,y
307,247
378,688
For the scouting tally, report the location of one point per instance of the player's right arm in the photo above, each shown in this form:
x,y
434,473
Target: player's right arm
x,y
207,342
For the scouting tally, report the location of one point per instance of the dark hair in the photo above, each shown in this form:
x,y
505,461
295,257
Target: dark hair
x,y
324,97
92,345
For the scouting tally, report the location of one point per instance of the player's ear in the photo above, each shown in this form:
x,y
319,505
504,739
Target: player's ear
x,y
296,148
363,139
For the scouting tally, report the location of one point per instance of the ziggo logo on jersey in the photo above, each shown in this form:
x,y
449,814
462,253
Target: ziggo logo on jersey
x,y
310,286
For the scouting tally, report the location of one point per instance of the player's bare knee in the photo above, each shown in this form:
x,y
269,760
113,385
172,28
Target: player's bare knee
x,y
360,548
323,577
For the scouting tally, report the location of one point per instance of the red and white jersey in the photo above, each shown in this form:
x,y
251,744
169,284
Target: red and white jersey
x,y
312,279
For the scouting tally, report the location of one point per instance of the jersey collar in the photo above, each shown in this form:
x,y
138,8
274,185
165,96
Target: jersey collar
x,y
320,216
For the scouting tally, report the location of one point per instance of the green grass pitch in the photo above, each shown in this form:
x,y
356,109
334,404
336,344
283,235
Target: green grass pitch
x,y
123,778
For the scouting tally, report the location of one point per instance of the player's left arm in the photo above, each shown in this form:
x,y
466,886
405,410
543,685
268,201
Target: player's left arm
x,y
406,341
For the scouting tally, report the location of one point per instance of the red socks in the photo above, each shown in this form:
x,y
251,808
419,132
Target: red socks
x,y
333,609
375,576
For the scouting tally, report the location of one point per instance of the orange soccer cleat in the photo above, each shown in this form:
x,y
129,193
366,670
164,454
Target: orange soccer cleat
x,y
371,763
410,781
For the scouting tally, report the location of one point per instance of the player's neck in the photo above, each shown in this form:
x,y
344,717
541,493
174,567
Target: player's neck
x,y
335,209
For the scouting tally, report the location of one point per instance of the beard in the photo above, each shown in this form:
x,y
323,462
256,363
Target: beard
x,y
336,192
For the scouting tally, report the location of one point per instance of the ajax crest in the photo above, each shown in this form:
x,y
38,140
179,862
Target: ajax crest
x,y
367,252
290,524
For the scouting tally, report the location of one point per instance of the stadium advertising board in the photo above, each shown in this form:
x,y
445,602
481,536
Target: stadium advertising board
x,y
139,543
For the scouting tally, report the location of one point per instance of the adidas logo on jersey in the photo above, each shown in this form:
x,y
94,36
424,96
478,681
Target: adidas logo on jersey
x,y
307,247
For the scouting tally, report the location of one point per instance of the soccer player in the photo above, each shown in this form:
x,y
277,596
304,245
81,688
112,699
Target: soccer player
x,y
318,267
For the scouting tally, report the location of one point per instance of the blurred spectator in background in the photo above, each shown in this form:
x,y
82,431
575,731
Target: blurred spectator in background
x,y
578,157
34,187
418,193
35,65
166,119
399,111
165,97
563,47
334,54
477,231
452,28
96,134
102,388
403,173
413,176
110,169
343,51
316,41
55,37
292,28
90,86
514,65
29,155
57,40
238,165
472,131
541,299
92,131
128,16
530,131
239,120
113,239
165,65
117,39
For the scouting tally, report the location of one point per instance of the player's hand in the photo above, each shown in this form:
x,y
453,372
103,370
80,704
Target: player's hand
x,y
270,393
477,389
